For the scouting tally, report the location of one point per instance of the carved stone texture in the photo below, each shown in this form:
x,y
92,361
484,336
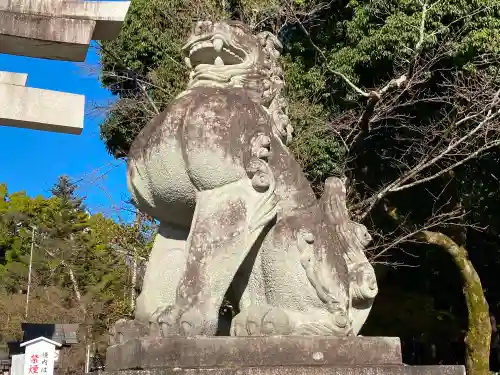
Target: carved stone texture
x,y
237,214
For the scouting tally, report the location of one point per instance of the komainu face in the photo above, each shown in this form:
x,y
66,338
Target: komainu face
x,y
216,45
227,54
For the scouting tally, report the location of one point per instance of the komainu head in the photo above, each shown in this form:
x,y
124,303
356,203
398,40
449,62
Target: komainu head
x,y
228,54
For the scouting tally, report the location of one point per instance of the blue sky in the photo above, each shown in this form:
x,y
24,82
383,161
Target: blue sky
x,y
32,160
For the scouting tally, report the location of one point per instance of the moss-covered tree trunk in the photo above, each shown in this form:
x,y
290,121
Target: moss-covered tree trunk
x,y
479,327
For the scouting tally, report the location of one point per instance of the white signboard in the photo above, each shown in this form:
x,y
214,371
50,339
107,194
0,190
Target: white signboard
x,y
17,366
39,356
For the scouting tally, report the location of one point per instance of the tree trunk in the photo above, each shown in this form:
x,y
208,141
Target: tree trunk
x,y
137,227
74,281
76,288
479,327
134,281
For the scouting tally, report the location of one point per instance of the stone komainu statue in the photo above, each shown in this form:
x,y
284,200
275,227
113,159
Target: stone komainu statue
x,y
237,215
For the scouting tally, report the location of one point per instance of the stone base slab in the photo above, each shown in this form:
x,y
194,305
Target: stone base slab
x,y
237,352
311,370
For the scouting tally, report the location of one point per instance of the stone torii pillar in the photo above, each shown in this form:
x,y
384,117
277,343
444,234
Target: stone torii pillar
x,y
56,30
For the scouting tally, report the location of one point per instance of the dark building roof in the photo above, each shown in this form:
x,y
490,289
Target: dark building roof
x,y
66,334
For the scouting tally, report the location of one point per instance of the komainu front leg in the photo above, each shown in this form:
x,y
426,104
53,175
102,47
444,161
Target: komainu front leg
x,y
164,271
226,223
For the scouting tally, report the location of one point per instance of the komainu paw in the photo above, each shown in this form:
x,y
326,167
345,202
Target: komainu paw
x,y
166,320
262,320
124,330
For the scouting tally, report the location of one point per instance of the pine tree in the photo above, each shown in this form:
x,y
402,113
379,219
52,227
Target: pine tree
x,y
77,276
72,216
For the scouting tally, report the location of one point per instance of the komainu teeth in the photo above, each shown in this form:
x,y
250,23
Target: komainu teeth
x,y
187,61
218,44
218,61
232,53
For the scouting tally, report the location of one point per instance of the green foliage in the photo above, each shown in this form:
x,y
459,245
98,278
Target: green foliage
x,y
75,262
147,59
372,42
381,35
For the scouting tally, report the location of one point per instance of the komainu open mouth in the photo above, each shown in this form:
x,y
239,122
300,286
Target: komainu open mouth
x,y
214,52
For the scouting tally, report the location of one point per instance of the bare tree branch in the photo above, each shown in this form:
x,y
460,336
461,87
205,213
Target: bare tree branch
x,y
72,277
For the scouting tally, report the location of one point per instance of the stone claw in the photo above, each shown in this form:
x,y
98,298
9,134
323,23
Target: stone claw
x,y
276,322
191,322
238,324
124,330
164,321
172,320
154,330
261,321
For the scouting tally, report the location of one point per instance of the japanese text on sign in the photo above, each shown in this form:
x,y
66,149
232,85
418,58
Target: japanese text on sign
x,y
38,363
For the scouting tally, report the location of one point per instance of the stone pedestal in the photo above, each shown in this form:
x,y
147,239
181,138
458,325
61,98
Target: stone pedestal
x,y
269,355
